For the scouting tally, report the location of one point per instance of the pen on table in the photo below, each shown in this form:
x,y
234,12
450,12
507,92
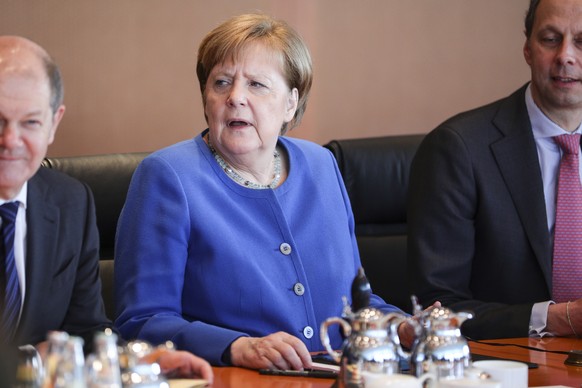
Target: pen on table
x,y
324,374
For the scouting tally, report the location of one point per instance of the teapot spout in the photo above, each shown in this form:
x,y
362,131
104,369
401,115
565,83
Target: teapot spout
x,y
460,318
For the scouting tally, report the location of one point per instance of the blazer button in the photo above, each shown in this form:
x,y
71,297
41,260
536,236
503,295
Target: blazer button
x,y
298,289
308,332
285,249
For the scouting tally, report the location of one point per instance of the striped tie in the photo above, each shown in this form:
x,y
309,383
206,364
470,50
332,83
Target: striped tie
x,y
9,286
567,263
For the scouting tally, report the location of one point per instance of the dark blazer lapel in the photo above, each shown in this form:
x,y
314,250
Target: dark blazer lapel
x,y
517,158
42,234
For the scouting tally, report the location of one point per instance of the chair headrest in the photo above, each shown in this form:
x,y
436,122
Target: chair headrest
x,y
108,176
375,172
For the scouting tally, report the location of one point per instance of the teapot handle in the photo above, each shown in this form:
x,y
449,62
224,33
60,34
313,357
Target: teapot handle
x,y
346,329
395,321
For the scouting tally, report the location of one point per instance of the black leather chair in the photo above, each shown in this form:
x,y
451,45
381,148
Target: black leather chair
x,y
108,176
375,172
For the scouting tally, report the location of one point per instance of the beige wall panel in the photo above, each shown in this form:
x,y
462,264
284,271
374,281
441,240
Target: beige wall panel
x,y
381,66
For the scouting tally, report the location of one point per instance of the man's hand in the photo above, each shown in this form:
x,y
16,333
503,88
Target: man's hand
x,y
42,349
558,324
407,330
406,334
275,351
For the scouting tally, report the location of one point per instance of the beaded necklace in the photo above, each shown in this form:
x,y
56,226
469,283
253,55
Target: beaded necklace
x,y
232,174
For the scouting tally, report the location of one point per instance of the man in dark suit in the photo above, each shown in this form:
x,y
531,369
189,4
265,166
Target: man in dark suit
x,y
56,242
482,193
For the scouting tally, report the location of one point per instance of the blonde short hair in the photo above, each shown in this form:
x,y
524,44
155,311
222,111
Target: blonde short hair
x,y
227,40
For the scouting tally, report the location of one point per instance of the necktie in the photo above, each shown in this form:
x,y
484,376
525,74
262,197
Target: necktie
x,y
9,285
567,264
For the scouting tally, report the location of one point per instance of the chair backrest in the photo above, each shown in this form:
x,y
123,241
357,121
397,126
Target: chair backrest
x,y
108,176
376,172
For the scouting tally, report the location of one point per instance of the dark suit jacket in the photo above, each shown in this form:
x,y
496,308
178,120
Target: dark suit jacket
x,y
478,235
63,290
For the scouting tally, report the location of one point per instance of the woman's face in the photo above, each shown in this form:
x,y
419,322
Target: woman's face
x,y
247,102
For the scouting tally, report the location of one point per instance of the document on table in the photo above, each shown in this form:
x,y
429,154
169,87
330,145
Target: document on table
x,y
187,383
326,367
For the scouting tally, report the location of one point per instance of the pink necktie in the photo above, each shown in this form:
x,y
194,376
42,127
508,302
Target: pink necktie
x,y
567,264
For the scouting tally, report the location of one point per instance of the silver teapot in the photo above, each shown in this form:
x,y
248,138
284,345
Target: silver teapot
x,y
440,348
372,344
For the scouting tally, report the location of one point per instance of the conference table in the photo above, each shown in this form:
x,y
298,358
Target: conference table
x,y
551,370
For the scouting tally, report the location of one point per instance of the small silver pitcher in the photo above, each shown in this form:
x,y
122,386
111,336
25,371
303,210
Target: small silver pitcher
x,y
441,349
372,344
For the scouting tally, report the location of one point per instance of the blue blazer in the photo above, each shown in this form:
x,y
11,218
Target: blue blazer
x,y
201,260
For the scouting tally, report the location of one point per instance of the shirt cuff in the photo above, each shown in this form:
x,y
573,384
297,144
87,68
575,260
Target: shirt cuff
x,y
539,319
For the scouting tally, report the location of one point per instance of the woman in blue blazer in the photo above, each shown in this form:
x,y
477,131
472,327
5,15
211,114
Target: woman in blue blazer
x,y
237,244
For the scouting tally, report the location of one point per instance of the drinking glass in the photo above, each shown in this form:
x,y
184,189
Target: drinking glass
x,y
29,370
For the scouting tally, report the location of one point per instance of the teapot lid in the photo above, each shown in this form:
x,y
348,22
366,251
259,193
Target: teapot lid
x,y
445,317
440,313
368,314
370,318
